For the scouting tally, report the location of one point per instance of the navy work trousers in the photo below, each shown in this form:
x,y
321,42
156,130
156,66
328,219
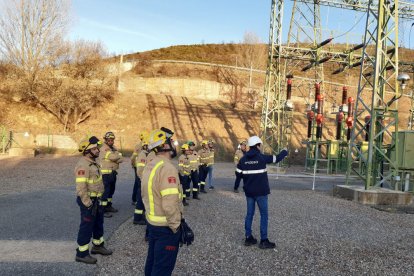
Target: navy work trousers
x,y
90,226
238,180
195,179
134,190
185,182
163,247
139,207
109,181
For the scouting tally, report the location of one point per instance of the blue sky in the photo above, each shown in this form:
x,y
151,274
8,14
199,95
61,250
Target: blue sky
x,y
126,26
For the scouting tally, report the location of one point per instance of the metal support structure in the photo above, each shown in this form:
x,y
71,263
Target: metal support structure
x,y
378,75
271,124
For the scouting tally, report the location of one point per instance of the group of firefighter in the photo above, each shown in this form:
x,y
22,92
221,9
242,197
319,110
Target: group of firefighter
x,y
96,174
193,169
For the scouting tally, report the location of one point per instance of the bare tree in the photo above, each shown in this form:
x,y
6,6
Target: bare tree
x,y
82,82
252,52
236,82
31,33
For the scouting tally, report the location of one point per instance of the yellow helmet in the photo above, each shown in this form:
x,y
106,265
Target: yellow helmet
x,y
144,140
185,147
204,142
143,135
109,135
89,143
157,138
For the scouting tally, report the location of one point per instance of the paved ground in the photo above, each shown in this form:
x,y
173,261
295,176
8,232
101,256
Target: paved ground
x,y
316,234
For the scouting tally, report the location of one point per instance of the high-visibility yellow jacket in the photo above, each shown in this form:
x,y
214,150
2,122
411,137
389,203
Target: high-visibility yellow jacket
x,y
88,180
141,161
194,160
110,159
135,154
237,156
211,159
204,156
162,193
184,165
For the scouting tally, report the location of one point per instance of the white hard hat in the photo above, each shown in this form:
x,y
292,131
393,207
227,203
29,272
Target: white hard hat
x,y
254,140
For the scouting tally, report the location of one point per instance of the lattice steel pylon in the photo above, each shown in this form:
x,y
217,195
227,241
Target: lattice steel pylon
x,y
276,119
271,123
378,75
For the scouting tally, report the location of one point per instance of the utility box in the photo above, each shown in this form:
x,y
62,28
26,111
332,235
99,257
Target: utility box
x,y
405,150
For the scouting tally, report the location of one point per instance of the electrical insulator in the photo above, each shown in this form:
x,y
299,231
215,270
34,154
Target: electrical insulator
x,y
289,89
350,121
340,117
317,90
310,115
319,119
320,104
350,106
344,94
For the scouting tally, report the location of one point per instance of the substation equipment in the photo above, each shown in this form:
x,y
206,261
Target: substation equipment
x,y
367,141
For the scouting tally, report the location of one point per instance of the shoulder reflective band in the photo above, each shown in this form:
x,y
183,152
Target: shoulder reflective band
x,y
98,242
170,191
151,214
254,171
83,248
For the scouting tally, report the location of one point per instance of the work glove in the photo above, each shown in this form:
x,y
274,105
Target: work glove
x,y
187,235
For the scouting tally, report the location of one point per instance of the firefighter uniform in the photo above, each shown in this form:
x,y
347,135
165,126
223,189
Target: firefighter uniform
x,y
204,154
134,156
89,189
210,165
194,161
139,208
162,196
110,160
184,173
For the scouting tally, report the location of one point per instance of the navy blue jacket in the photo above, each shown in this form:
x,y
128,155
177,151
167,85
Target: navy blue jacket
x,y
252,166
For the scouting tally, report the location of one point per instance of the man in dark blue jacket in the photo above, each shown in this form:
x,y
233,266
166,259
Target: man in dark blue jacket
x,y
252,167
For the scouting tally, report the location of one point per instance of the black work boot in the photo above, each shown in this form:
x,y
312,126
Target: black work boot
x,y
250,241
88,259
202,190
140,222
110,209
195,196
100,249
185,203
266,244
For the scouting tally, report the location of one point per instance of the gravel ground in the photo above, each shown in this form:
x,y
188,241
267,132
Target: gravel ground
x,y
315,234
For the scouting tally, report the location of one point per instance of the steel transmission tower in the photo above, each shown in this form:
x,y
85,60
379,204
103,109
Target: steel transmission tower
x,y
302,48
376,113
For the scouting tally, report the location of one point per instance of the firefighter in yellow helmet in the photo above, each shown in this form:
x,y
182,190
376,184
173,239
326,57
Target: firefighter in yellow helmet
x,y
194,160
204,154
139,216
89,189
110,160
142,136
185,172
162,196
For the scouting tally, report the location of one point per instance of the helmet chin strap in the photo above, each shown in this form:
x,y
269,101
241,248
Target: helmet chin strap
x,y
172,149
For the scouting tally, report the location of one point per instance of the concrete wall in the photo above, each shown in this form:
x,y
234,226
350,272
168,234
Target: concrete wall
x,y
22,140
193,88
